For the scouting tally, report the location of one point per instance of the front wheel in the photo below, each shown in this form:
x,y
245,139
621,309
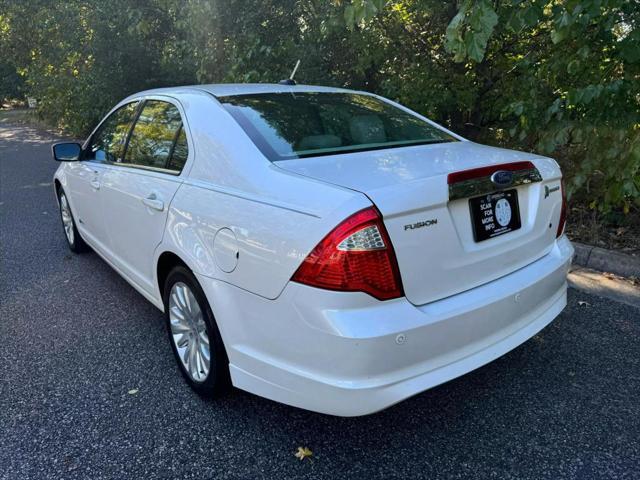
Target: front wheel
x,y
74,240
194,335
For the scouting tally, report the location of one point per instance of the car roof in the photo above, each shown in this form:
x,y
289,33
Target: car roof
x,y
230,89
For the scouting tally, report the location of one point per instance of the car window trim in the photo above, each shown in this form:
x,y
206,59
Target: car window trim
x,y
136,116
165,171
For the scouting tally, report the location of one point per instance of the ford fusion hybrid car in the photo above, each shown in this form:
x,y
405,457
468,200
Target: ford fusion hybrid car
x,y
324,248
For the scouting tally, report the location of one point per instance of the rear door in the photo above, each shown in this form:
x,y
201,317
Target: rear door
x,y
138,189
106,145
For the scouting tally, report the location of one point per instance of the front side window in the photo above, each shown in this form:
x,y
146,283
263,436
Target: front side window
x,y
298,125
108,142
154,135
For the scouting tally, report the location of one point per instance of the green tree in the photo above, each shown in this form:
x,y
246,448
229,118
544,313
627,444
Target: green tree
x,y
558,77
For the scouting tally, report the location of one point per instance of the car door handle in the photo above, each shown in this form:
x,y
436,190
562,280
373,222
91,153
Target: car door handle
x,y
152,201
95,183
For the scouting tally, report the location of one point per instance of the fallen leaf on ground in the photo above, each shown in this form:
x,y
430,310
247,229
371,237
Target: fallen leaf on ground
x,y
303,452
133,391
582,303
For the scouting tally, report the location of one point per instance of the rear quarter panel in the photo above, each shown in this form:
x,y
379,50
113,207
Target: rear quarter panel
x,y
275,218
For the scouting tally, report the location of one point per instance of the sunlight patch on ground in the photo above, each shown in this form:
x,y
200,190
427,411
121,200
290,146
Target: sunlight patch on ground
x,y
605,285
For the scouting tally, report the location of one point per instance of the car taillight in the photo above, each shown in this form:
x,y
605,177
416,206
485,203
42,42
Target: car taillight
x,y
356,256
563,210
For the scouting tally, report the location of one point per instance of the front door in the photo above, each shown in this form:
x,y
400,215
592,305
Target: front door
x,y
85,177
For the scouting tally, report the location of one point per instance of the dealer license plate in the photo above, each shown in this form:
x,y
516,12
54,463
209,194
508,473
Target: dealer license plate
x,y
494,214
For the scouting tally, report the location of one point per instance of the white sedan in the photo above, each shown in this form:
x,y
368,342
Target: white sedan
x,y
324,248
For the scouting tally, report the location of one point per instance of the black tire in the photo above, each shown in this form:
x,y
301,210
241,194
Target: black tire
x,y
75,242
217,380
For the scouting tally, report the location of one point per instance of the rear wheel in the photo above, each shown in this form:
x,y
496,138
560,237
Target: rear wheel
x,y
74,240
194,335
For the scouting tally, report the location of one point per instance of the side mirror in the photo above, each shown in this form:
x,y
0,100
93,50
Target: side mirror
x,y
66,152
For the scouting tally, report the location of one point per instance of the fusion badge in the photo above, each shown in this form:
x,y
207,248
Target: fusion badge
x,y
426,223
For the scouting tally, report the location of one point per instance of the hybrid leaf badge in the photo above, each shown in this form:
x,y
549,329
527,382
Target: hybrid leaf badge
x,y
548,191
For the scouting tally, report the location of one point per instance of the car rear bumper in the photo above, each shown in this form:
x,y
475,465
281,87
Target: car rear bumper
x,y
346,354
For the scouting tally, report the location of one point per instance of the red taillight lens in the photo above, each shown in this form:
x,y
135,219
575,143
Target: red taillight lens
x,y
563,210
356,256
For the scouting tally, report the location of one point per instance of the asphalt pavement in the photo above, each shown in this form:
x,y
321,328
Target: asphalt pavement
x,y
75,339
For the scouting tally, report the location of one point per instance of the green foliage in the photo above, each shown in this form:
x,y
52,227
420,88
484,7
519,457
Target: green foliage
x,y
580,101
79,57
560,77
359,12
469,31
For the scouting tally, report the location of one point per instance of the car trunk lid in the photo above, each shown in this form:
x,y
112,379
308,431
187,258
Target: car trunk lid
x,y
423,193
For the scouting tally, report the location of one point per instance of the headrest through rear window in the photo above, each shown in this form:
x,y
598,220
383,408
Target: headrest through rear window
x,y
367,129
316,142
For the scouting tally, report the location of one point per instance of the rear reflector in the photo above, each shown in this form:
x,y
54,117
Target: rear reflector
x,y
563,210
356,256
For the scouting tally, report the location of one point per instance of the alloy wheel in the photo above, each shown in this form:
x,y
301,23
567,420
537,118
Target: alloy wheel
x,y
189,332
67,219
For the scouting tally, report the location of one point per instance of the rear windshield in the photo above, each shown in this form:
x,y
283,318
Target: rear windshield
x,y
287,125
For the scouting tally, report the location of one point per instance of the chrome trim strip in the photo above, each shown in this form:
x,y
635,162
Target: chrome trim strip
x,y
483,185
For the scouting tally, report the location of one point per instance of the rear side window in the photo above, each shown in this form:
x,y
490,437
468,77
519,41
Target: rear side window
x,y
108,143
308,124
157,140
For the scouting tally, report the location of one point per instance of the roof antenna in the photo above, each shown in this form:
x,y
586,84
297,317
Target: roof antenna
x,y
290,80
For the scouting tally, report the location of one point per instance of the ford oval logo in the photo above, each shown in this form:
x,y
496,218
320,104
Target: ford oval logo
x,y
502,178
